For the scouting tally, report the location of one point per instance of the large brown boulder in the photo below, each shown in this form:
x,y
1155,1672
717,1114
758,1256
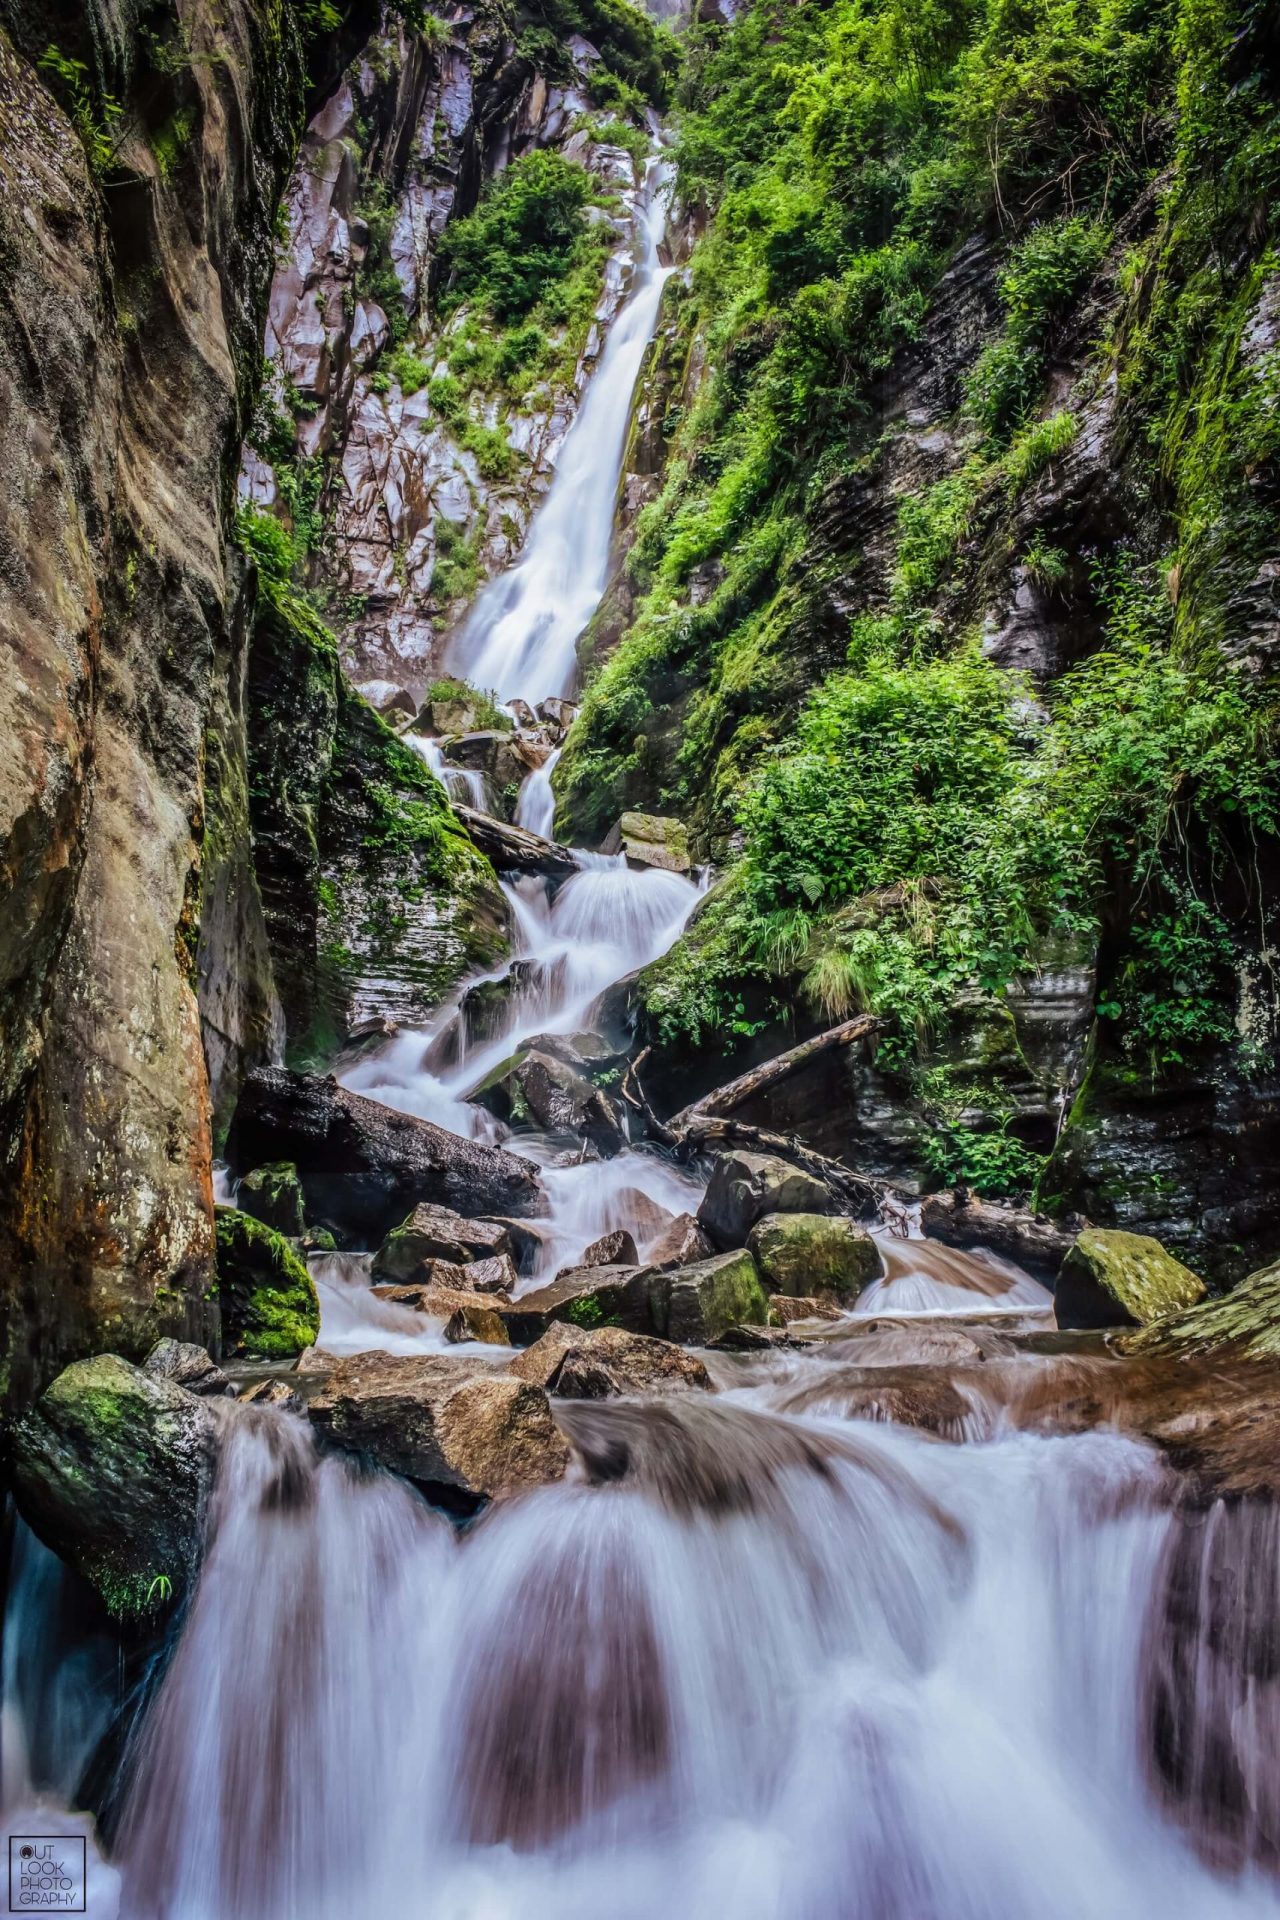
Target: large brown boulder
x,y
744,1187
363,1166
680,1242
538,1088
603,1362
1111,1279
811,1253
463,1431
112,1469
698,1303
585,1297
437,1233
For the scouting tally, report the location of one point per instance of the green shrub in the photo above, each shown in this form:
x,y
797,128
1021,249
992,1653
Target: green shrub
x,y
527,233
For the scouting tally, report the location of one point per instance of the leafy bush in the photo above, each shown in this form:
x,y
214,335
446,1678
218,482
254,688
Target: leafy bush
x,y
527,233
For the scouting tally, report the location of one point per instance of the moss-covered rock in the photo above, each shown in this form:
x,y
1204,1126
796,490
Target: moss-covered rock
x,y
651,840
696,1304
1245,1324
112,1469
745,1187
269,1304
273,1194
809,1253
1121,1280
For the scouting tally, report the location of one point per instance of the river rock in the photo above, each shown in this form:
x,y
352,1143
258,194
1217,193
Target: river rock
x,y
585,1296
273,1194
1243,1325
696,1304
504,759
576,1363
363,1166
1112,1279
272,1393
112,1469
437,1233
1031,1240
441,1299
269,1306
650,840
558,716
919,1397
680,1242
465,1433
616,1249
744,1187
189,1366
497,1275
471,1322
809,1253
555,1097
514,849
786,1309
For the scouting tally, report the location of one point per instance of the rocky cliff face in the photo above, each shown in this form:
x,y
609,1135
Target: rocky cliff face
x,y
414,454
128,340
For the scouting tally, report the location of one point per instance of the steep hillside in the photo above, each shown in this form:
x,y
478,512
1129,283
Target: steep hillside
x,y
956,618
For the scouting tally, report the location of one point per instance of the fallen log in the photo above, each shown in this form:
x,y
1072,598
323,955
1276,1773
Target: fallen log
x,y
515,849
735,1093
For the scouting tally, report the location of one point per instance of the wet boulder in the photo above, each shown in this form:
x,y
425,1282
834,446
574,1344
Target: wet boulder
x,y
1111,1279
437,1233
462,1431
744,1187
810,1253
786,1310
189,1366
273,1194
472,1322
616,1249
497,1275
681,1241
439,1299
696,1304
651,840
112,1469
599,1363
363,1166
269,1306
585,1297
503,759
272,1393
1243,1325
537,1088
558,716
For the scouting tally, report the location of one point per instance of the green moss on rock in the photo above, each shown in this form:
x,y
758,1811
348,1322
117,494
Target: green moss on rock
x,y
273,1195
1121,1280
697,1303
803,1254
269,1304
1245,1323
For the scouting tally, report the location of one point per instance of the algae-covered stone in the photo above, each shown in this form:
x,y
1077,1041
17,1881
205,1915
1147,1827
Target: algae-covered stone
x,y
745,1187
273,1194
1245,1324
269,1304
697,1303
1111,1279
809,1253
651,840
112,1469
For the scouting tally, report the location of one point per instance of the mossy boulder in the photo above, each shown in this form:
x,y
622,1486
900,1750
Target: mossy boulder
x,y
112,1469
694,1305
273,1194
1111,1279
651,840
1244,1324
745,1187
269,1304
804,1254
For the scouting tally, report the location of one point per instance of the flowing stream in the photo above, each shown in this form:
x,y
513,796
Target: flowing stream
x,y
798,1663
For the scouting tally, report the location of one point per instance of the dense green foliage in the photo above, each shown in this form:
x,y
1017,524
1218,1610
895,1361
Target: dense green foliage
x,y
910,825
527,233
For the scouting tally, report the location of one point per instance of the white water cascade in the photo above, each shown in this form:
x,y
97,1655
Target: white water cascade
x,y
521,634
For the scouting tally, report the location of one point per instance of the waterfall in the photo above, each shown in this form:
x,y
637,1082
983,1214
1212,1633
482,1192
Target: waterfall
x,y
536,808
522,632
787,1671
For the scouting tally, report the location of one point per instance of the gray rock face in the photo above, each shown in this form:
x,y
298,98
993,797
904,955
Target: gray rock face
x,y
746,1186
363,1166
615,1249
112,1470
553,1096
189,1366
464,1432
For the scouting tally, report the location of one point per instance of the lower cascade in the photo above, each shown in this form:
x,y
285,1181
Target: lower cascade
x,y
639,1247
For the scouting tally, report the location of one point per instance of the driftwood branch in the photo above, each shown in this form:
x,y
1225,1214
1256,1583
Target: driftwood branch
x,y
736,1093
698,1130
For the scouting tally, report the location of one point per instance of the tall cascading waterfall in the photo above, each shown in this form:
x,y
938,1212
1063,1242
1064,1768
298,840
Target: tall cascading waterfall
x,y
762,1654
